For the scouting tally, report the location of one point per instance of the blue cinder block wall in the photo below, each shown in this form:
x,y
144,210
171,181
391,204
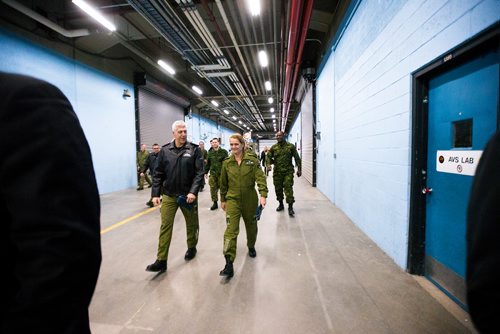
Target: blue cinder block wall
x,y
106,118
200,128
366,125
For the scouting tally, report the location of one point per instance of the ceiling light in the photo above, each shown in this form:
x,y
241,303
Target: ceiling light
x,y
226,112
268,85
166,66
270,100
254,7
274,121
197,90
214,103
273,116
235,118
95,14
240,122
271,110
263,58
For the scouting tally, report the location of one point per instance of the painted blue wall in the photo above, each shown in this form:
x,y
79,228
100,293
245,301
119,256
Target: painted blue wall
x,y
200,128
106,118
383,44
325,143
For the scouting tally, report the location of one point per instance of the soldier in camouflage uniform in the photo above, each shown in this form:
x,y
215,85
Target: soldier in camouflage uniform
x,y
215,157
141,158
281,155
240,172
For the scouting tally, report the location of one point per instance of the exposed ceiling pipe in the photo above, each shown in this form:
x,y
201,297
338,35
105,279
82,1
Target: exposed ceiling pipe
x,y
251,104
192,18
46,22
293,35
276,56
281,62
306,19
200,26
235,42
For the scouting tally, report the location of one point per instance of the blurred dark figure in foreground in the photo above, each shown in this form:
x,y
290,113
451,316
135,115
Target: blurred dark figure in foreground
x,y
483,241
49,240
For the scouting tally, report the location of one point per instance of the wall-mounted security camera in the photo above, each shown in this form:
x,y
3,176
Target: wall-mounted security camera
x,y
126,94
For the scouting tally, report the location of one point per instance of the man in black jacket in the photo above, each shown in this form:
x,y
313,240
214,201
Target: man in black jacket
x,y
50,232
151,164
179,176
483,241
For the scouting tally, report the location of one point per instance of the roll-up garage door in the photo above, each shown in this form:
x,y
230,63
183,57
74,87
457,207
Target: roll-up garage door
x,y
307,135
156,115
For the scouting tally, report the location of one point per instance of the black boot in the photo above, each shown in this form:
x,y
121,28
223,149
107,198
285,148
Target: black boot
x,y
228,269
150,203
214,206
190,254
159,266
290,210
252,252
280,207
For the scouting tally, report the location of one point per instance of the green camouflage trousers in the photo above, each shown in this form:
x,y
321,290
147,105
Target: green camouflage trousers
x,y
213,182
142,178
283,181
234,211
168,209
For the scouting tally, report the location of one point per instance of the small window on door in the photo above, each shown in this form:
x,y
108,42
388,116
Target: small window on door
x,y
462,133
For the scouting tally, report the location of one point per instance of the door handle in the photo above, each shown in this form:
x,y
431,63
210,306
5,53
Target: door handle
x,y
426,191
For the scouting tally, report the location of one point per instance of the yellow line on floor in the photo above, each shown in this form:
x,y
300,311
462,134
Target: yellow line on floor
x,y
112,227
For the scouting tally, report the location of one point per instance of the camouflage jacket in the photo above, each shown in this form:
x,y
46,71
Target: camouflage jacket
x,y
214,161
280,155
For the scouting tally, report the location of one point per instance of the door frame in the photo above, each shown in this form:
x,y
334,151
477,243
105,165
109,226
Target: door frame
x,y
481,43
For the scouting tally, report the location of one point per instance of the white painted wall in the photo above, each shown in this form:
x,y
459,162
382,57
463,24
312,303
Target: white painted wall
x,y
384,43
325,144
294,136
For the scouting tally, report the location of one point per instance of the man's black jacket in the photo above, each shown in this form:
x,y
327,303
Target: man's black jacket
x,y
180,170
151,163
49,233
483,241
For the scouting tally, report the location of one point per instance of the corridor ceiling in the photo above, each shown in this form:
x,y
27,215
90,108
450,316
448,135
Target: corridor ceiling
x,y
213,44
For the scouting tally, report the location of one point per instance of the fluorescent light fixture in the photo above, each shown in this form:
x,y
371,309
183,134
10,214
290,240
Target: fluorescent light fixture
x,y
263,58
270,100
268,85
197,90
274,121
214,103
273,116
94,14
166,66
240,122
254,7
271,110
226,112
235,118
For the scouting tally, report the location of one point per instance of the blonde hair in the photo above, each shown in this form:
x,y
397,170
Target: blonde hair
x,y
238,137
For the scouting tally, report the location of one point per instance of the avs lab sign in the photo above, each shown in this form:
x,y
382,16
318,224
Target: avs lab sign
x,y
457,162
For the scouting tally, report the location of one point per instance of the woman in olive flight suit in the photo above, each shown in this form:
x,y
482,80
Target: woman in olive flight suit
x,y
240,171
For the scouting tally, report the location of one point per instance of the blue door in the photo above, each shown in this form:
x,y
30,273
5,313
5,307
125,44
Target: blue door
x,y
463,104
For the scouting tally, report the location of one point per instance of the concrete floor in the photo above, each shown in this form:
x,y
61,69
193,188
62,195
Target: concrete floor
x,y
315,273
